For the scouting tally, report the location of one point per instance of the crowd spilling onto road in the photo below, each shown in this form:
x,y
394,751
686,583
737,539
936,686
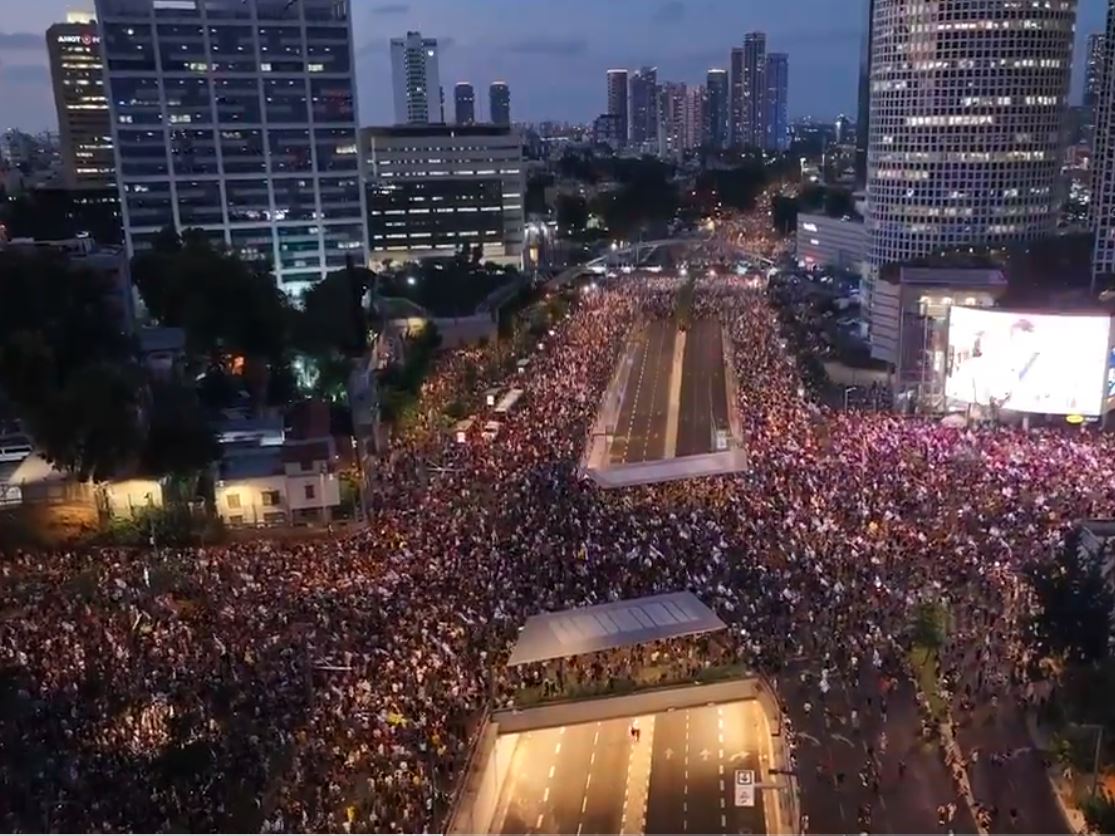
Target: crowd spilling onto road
x,y
336,685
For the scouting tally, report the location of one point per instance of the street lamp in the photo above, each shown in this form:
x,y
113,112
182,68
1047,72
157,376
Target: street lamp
x,y
412,281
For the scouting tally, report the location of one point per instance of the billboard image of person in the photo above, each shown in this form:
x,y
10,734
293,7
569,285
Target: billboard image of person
x,y
1046,363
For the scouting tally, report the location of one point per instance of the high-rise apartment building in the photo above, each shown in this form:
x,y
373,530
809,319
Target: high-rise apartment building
x,y
464,97
696,118
735,106
499,100
644,109
967,105
776,121
1093,82
617,99
754,90
716,108
84,129
238,117
417,80
1102,210
671,119
863,110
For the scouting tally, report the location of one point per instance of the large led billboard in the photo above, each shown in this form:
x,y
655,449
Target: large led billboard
x,y
1050,363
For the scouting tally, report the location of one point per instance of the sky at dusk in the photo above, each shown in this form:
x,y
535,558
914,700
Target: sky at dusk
x,y
554,53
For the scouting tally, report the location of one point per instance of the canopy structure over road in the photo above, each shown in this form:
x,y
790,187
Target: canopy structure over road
x,y
554,635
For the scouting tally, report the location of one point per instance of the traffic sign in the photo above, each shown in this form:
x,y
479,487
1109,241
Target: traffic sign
x,y
745,788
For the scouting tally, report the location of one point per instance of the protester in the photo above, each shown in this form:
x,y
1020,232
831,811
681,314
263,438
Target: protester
x,y
336,686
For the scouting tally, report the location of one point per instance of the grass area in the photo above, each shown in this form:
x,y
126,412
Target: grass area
x,y
653,676
924,662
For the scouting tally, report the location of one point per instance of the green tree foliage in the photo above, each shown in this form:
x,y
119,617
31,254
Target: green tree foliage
x,y
226,306
572,213
1074,616
53,214
534,200
448,287
736,187
646,196
67,364
1099,812
784,214
401,383
930,625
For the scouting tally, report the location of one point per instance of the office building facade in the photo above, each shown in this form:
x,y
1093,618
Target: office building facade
x,y
644,109
672,119
464,101
433,189
238,117
776,121
499,101
416,80
966,141
84,127
696,118
863,110
1095,62
716,108
1103,161
618,81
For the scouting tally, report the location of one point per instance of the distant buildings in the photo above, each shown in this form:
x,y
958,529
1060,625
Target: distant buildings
x,y
617,102
239,119
1095,62
433,189
716,108
863,111
776,121
696,102
672,119
416,80
824,241
609,129
499,99
735,99
843,128
464,100
644,109
84,126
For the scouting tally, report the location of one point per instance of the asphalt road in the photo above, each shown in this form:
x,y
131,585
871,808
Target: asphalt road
x,y
696,753
704,399
575,779
640,434
569,780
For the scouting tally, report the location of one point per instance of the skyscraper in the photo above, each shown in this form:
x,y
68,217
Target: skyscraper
x,y
1103,160
465,103
776,120
671,119
84,128
735,112
965,151
863,111
696,119
417,80
499,98
644,109
1093,82
716,108
238,117
617,99
754,90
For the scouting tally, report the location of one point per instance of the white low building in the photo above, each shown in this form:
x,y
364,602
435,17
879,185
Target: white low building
x,y
824,241
278,485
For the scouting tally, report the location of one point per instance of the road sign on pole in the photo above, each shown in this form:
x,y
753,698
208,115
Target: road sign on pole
x,y
745,788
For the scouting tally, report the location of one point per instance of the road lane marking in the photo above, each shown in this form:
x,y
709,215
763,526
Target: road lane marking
x,y
579,826
584,803
721,736
561,730
552,768
722,785
557,749
592,758
723,822
546,795
588,780
721,803
538,824
721,754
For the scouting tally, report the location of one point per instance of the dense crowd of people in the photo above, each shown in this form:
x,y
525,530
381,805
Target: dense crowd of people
x,y
336,685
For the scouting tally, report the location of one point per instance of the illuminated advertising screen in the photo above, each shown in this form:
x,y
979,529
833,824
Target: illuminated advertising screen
x,y
1024,362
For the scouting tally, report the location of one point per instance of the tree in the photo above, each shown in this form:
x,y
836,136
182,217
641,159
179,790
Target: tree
x,y
227,306
179,439
1074,616
67,364
930,626
1099,812
572,213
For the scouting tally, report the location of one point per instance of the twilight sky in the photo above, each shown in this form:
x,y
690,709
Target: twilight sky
x,y
554,53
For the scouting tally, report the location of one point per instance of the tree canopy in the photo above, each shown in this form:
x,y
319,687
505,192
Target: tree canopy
x,y
1074,615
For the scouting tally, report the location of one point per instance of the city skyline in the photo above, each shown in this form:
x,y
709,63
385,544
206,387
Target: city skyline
x,y
525,45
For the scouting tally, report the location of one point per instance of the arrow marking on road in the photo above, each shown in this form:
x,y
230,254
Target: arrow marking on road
x,y
669,753
738,756
705,754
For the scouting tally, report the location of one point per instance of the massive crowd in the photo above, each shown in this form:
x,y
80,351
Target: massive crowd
x,y
335,686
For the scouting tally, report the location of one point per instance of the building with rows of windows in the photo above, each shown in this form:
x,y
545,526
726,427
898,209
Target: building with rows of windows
x,y
238,117
967,102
